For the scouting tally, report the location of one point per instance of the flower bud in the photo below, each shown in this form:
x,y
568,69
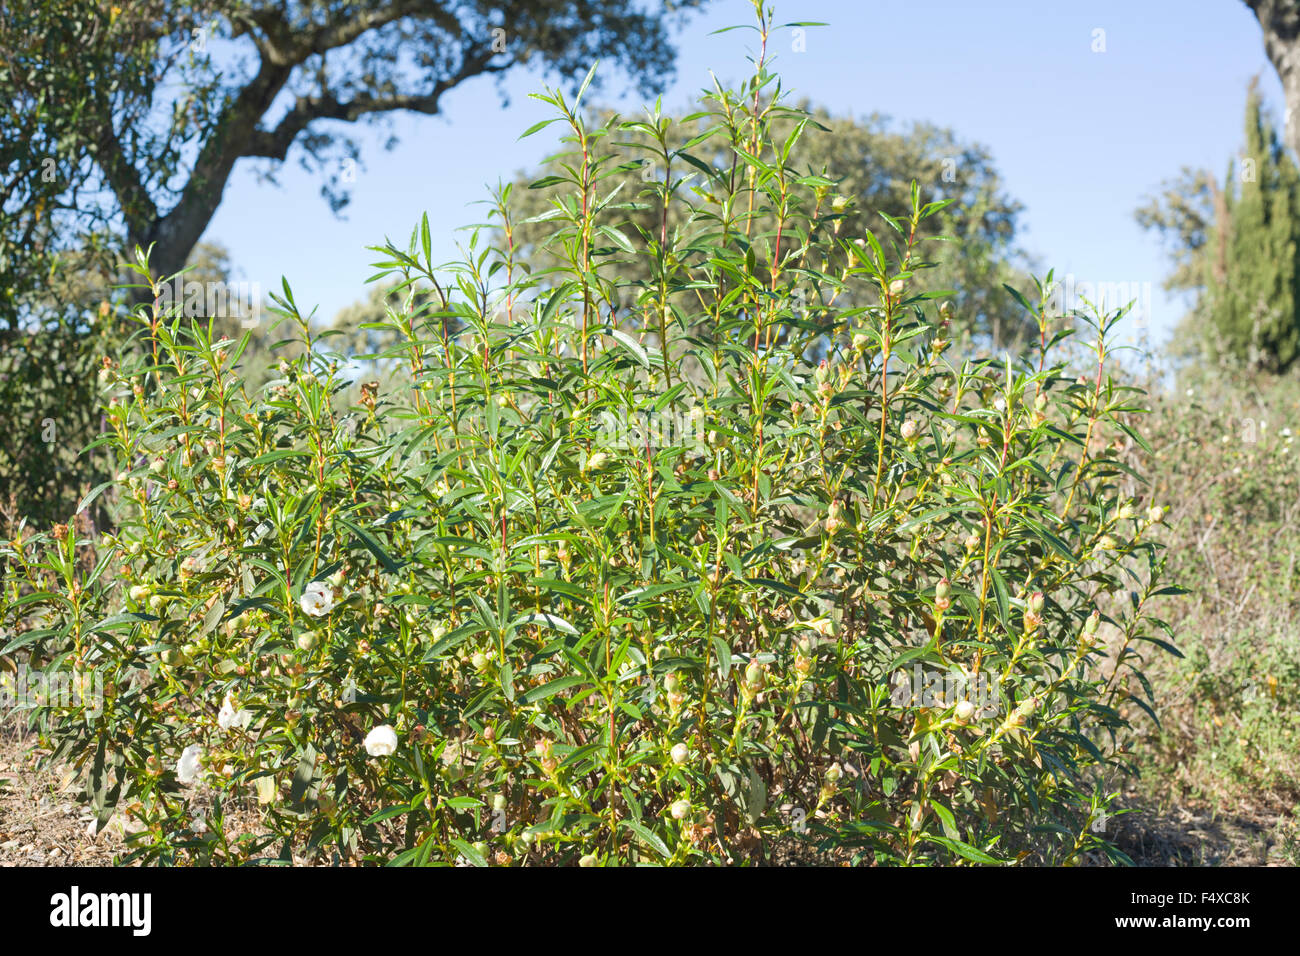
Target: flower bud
x,y
908,430
964,711
942,592
680,753
680,809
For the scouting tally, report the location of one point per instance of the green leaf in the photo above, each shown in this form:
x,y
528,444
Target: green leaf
x,y
372,545
468,851
646,837
94,493
632,346
546,620
966,850
550,689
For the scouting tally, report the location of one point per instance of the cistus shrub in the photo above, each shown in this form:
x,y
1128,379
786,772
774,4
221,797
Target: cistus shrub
x,y
733,565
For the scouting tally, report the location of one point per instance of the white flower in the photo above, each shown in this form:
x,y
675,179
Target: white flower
x,y
228,717
187,768
381,742
317,599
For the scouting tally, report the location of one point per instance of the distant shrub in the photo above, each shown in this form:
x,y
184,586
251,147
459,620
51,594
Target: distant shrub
x,y
1225,456
593,589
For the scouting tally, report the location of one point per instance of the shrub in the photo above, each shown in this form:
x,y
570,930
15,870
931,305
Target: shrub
x,y
600,587
1225,455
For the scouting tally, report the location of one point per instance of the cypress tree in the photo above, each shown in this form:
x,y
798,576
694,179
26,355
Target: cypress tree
x,y
1252,281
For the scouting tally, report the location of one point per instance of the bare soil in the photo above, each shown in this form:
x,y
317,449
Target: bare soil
x,y
42,822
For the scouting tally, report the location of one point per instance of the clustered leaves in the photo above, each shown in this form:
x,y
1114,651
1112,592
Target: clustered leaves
x,y
607,585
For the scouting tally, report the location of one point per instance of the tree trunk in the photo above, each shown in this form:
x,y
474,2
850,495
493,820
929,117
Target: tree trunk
x,y
1281,22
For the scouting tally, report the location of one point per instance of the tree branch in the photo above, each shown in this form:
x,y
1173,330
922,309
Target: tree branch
x,y
274,144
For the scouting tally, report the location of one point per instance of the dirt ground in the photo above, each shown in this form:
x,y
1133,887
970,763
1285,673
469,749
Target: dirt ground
x,y
42,823
1205,836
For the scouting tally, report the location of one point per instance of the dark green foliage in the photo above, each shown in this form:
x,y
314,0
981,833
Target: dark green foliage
x,y
1236,248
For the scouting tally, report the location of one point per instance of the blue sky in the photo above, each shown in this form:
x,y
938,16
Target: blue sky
x,y
1080,137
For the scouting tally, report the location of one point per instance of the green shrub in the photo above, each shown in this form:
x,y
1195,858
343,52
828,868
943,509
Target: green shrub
x,y
1225,457
596,589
